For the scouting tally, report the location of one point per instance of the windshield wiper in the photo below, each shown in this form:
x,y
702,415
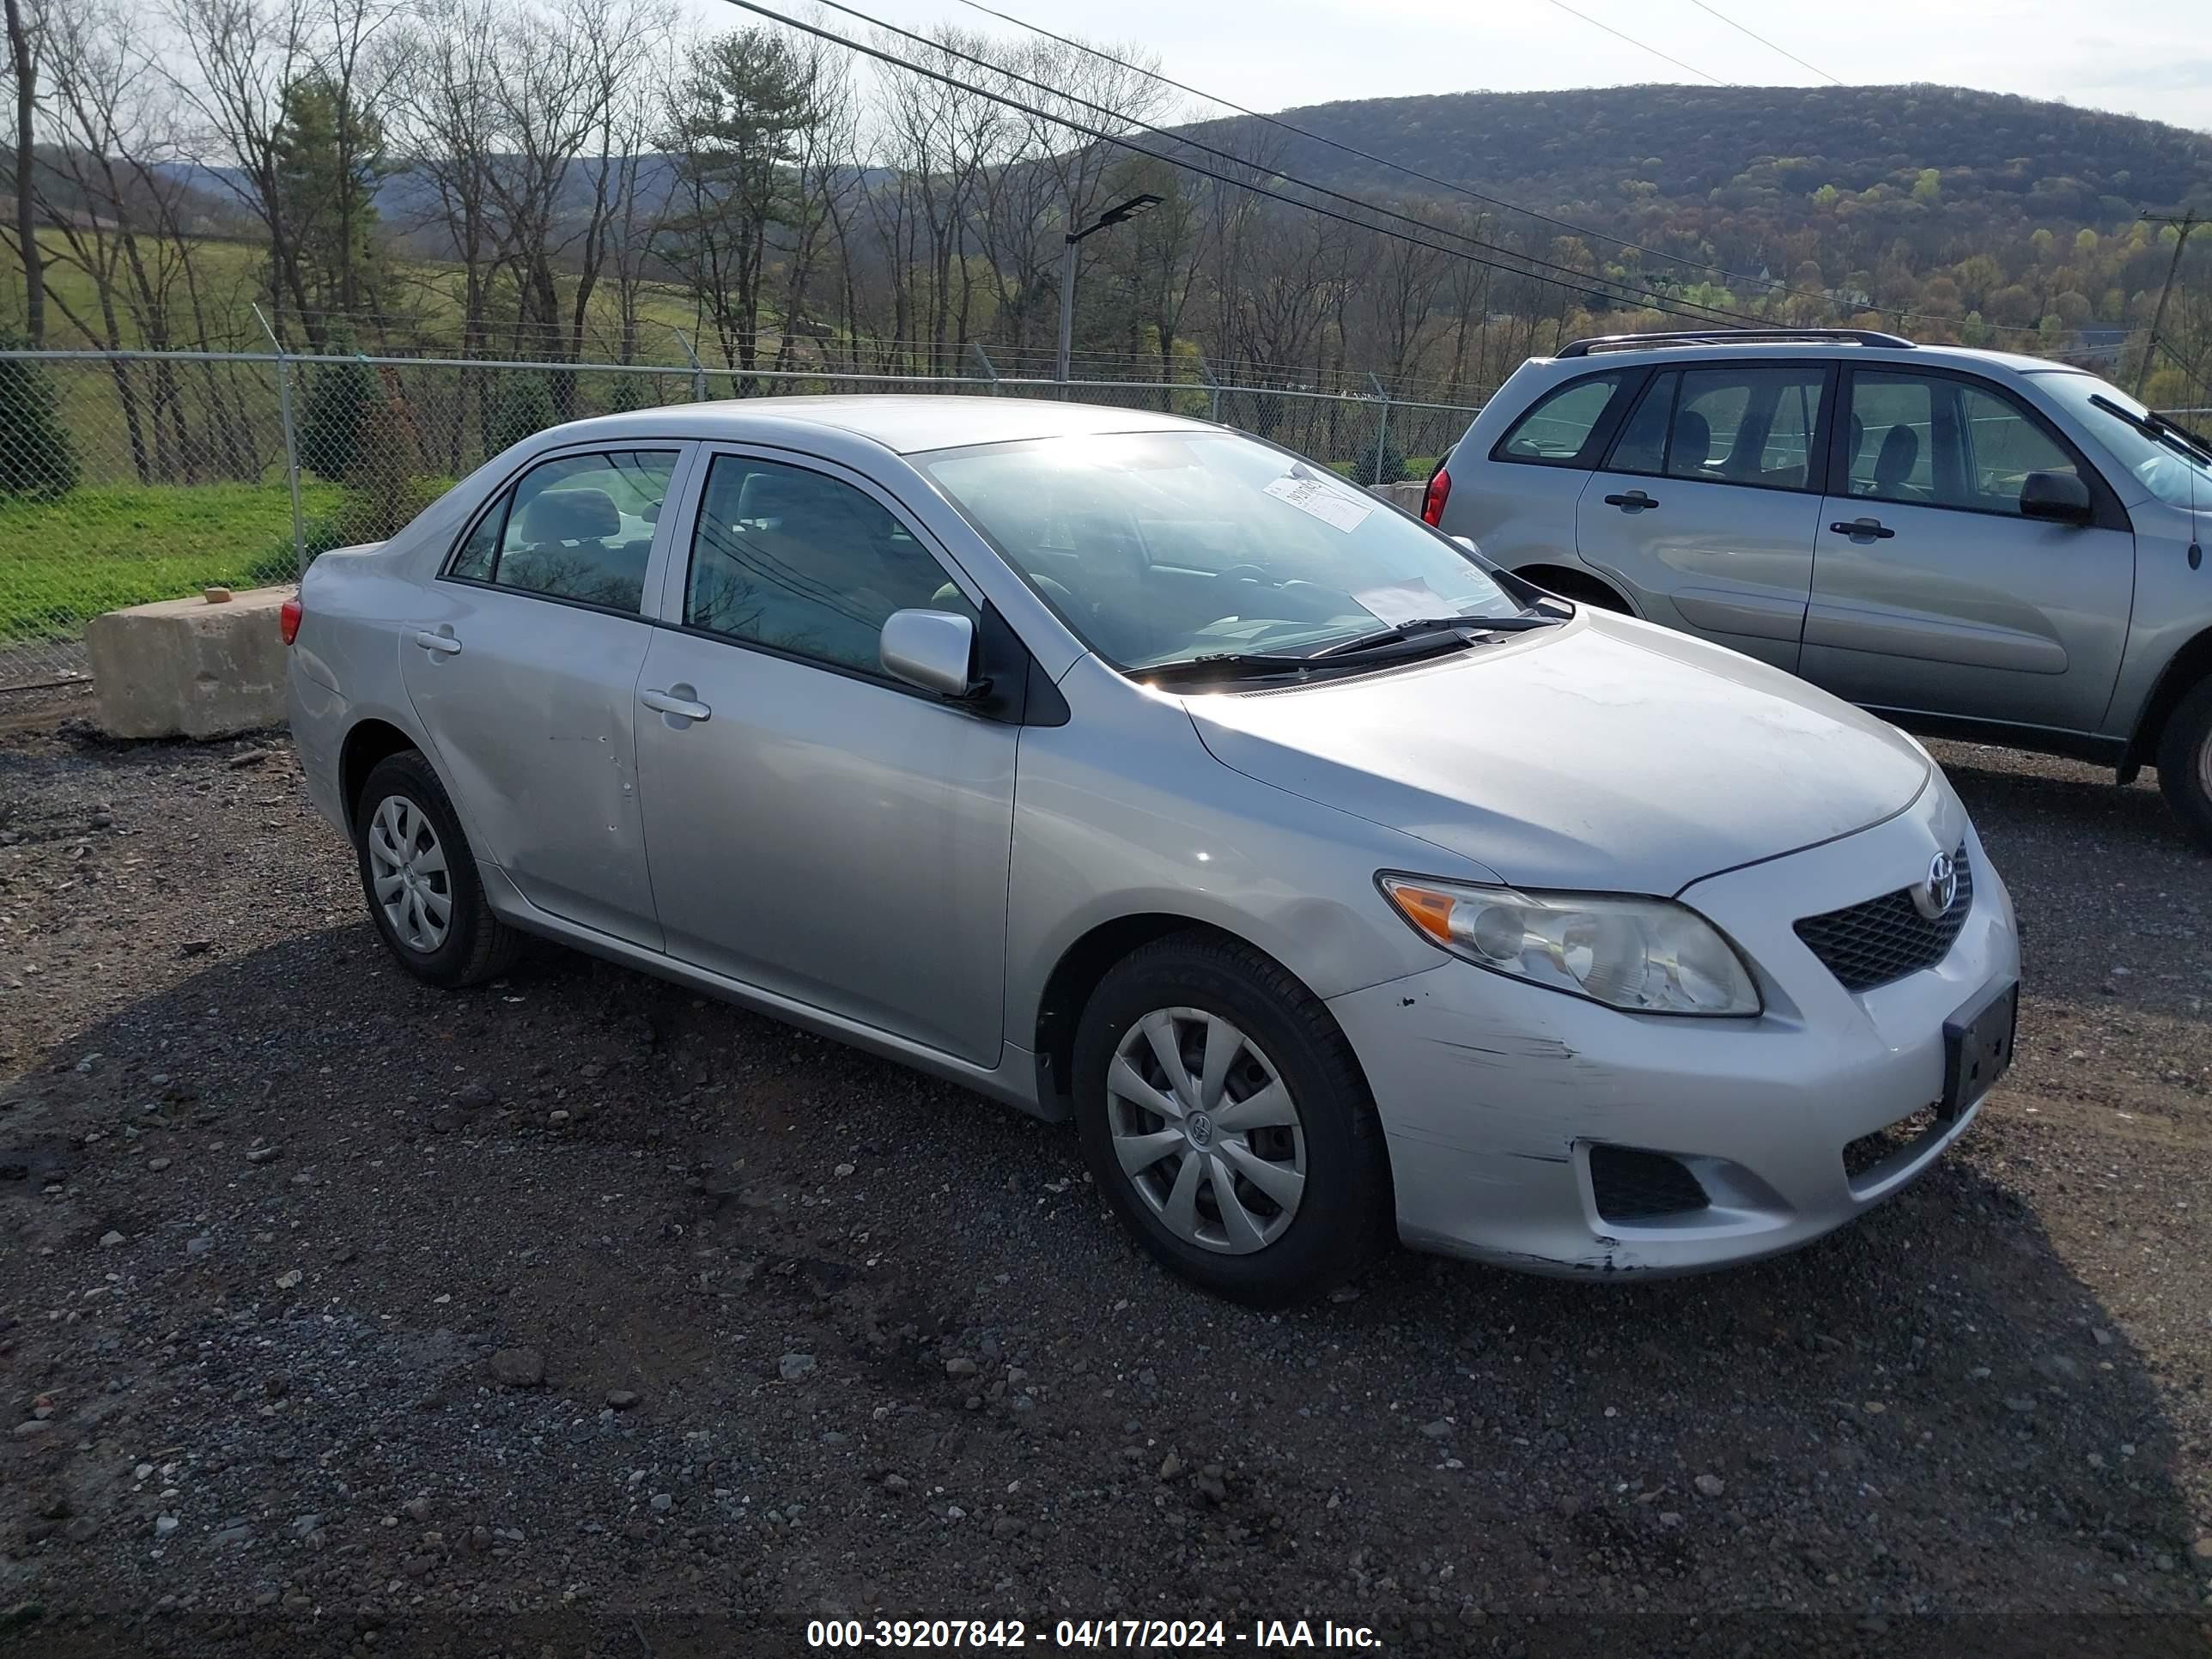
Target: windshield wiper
x,y
1222,665
1419,627
2175,436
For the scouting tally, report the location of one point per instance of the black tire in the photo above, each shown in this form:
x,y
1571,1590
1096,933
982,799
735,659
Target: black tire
x,y
2185,763
476,945
1344,1215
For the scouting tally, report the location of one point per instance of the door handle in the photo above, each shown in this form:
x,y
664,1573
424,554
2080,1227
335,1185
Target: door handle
x,y
1634,502
1872,529
672,702
444,644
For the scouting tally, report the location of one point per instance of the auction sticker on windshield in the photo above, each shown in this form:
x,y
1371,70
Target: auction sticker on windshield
x,y
1310,495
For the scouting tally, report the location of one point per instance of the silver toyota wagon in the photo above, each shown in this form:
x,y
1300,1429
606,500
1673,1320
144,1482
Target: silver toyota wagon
x,y
1123,768
1971,543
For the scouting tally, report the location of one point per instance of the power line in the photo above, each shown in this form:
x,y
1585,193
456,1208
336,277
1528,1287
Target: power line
x,y
1589,282
1639,293
1763,41
1780,289
1311,137
1633,41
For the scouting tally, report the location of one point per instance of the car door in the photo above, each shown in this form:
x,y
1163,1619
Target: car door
x,y
819,829
523,668
1706,506
1931,592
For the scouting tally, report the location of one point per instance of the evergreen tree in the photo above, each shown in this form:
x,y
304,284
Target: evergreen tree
x,y
36,455
1393,469
338,404
523,408
329,157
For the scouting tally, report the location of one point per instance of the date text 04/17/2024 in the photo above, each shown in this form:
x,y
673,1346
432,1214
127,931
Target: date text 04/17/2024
x,y
1137,1635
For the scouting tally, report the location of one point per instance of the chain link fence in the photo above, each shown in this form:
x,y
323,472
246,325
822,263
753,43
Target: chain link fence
x,y
131,476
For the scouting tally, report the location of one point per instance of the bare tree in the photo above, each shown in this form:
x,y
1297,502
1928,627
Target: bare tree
x,y
825,179
23,65
239,57
445,137
561,83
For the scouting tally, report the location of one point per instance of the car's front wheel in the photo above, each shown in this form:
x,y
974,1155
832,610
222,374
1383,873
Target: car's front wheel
x,y
2185,763
420,878
1225,1118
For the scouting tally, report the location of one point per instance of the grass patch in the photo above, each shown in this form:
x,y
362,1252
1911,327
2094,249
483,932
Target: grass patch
x,y
99,549
1418,468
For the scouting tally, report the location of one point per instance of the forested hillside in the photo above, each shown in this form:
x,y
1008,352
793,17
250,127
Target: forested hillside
x,y
1743,166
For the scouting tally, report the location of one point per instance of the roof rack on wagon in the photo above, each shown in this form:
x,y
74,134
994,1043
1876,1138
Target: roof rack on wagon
x,y
1865,336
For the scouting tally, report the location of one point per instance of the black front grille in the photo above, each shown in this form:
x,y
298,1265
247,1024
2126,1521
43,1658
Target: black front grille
x,y
1636,1186
1886,938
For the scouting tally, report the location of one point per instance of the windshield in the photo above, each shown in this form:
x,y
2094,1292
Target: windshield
x,y
2160,467
1160,547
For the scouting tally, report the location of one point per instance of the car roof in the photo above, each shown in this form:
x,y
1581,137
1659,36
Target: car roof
x,y
903,422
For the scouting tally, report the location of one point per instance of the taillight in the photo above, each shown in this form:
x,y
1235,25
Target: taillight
x,y
288,619
1432,503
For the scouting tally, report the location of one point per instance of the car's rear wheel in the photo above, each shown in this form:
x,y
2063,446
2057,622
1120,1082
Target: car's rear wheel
x,y
1225,1118
420,878
2185,763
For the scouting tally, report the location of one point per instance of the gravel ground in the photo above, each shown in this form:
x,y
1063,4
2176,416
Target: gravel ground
x,y
582,1315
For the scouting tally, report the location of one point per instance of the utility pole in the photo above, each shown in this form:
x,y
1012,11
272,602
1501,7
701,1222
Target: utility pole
x,y
2183,223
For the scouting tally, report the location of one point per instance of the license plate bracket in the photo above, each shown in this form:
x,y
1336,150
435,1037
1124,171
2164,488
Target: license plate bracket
x,y
1977,1047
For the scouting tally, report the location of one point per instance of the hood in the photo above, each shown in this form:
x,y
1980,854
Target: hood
x,y
1607,754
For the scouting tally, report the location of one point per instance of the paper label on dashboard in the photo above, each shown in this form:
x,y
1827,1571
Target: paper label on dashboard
x,y
1413,600
1324,501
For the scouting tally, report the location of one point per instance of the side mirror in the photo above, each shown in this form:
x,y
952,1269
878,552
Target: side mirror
x,y
2054,497
932,649
1470,543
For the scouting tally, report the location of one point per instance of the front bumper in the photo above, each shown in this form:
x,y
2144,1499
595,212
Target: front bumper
x,y
1492,1093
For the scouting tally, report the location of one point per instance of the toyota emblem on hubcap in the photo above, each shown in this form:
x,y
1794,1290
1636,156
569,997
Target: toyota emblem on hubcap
x,y
1934,897
1201,1129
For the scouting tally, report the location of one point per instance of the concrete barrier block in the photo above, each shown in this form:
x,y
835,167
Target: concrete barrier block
x,y
189,668
1408,495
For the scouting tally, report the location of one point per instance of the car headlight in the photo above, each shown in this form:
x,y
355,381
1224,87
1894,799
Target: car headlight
x,y
1649,956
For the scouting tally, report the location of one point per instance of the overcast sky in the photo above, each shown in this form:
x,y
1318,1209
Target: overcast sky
x,y
2151,57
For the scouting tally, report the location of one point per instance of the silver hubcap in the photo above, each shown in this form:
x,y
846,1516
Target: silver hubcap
x,y
2204,764
1205,1132
407,868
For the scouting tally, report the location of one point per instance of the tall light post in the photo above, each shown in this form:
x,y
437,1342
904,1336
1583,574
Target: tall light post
x,y
1113,216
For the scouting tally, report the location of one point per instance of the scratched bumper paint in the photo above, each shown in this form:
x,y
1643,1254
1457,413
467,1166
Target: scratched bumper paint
x,y
1492,1092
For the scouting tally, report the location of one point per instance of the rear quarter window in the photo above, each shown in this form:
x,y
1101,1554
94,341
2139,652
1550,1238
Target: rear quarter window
x,y
1566,426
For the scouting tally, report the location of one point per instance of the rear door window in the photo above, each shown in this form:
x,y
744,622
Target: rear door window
x,y
577,527
1642,447
1747,425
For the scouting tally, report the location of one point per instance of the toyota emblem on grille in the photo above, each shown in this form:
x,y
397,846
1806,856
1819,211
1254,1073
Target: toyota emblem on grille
x,y
1934,897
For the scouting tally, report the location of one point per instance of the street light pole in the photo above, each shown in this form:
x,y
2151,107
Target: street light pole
x,y
1067,258
1115,215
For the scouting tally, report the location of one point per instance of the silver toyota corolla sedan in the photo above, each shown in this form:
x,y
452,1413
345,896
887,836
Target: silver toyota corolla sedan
x,y
1127,769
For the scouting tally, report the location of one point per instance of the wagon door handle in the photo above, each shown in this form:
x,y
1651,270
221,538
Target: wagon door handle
x,y
1872,529
1634,502
678,703
442,642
